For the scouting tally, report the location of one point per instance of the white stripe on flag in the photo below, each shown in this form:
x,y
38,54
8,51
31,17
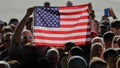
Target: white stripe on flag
x,y
61,35
62,29
62,41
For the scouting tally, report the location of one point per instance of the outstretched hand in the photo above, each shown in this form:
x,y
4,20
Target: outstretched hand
x,y
90,8
30,10
111,13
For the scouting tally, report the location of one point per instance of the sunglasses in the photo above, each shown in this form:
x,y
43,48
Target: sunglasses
x,y
27,37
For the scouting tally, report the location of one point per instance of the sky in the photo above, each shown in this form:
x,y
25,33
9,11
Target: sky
x,y
17,8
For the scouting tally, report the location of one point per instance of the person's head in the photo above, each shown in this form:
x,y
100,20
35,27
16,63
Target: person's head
x,y
115,41
7,38
110,56
7,29
92,15
69,3
107,37
104,27
115,26
96,50
105,18
77,62
53,56
4,64
61,50
68,46
26,37
75,51
47,4
14,21
106,23
97,62
98,40
95,26
118,62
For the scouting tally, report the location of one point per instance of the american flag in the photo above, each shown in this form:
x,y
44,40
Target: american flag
x,y
55,26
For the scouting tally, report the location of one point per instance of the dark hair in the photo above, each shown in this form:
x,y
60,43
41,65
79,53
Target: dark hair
x,y
77,62
109,51
13,20
106,23
108,36
92,14
76,51
5,23
47,4
69,45
69,3
115,24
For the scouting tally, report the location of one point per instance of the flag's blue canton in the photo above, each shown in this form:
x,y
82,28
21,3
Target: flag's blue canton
x,y
47,17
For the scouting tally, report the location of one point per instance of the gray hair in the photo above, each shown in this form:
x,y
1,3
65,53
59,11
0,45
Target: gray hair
x,y
6,65
98,38
52,50
77,62
26,31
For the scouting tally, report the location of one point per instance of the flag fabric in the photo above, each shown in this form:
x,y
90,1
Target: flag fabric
x,y
55,26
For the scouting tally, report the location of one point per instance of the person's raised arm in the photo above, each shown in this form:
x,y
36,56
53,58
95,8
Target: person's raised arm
x,y
111,13
90,8
29,24
20,27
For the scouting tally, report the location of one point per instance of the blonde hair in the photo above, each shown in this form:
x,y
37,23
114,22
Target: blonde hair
x,y
93,52
97,39
115,38
97,60
52,50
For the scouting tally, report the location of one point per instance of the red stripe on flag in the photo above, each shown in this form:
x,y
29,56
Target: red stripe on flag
x,y
73,7
73,25
60,32
60,45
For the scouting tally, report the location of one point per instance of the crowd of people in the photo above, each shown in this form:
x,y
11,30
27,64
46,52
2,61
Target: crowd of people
x,y
17,50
